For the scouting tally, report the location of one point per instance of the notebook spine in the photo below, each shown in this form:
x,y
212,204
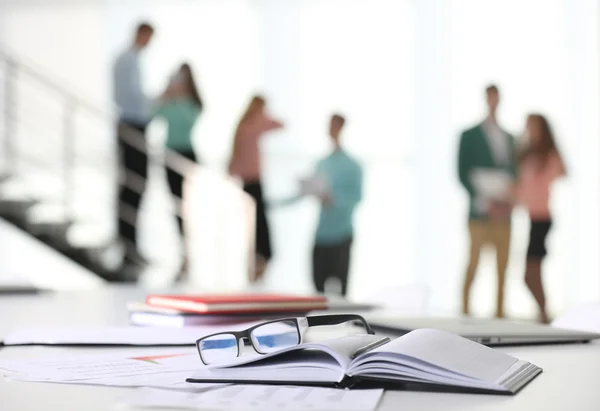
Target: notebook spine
x,y
347,383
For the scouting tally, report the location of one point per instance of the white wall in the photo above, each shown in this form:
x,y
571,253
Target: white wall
x,y
67,41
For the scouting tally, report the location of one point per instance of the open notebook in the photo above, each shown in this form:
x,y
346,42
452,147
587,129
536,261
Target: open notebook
x,y
423,359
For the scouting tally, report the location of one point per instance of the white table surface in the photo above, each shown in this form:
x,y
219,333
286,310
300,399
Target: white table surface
x,y
570,381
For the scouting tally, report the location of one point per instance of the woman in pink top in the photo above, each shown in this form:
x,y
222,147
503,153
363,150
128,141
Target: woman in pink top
x,y
245,164
539,165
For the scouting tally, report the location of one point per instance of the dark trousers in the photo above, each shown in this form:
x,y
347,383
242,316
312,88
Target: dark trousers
x,y
175,181
331,261
134,170
262,232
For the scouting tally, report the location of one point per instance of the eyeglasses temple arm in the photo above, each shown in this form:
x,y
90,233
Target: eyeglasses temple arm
x,y
338,319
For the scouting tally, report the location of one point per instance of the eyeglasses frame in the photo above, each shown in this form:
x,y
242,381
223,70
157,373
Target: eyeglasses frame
x,y
302,324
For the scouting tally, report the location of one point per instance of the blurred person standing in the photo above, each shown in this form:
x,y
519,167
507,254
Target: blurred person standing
x,y
487,168
341,177
134,117
540,164
180,106
245,163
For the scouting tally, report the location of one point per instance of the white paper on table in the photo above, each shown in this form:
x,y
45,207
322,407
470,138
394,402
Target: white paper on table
x,y
259,398
135,336
107,366
160,380
126,369
12,281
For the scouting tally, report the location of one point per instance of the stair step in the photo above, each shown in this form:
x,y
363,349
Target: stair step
x,y
91,235
94,261
82,256
47,213
57,230
104,261
17,203
16,209
85,257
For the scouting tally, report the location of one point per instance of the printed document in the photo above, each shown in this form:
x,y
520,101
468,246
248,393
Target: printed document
x,y
126,369
258,398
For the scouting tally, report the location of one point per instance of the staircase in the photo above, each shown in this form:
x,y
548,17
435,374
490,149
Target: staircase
x,y
58,167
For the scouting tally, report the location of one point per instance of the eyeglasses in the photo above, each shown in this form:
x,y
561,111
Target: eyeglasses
x,y
267,337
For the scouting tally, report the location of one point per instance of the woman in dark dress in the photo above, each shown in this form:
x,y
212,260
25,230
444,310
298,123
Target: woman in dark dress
x,y
245,163
539,166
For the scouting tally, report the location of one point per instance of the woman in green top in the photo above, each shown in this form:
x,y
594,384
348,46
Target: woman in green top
x,y
180,106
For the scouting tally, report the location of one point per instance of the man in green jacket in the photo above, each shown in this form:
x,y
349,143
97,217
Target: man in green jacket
x,y
486,158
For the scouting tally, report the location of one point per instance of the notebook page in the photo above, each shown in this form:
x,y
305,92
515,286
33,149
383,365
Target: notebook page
x,y
341,349
453,353
285,371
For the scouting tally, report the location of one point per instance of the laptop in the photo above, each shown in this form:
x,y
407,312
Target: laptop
x,y
491,332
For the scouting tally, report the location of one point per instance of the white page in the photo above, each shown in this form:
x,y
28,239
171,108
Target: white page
x,y
101,368
408,374
451,352
259,398
322,369
138,336
170,379
341,349
326,362
13,281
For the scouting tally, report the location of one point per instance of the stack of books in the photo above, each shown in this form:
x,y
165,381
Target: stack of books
x,y
194,310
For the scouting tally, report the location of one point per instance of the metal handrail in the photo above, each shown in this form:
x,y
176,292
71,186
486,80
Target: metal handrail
x,y
73,103
129,179
42,78
134,137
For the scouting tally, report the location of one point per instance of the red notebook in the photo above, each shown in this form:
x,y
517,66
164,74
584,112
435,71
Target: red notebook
x,y
238,303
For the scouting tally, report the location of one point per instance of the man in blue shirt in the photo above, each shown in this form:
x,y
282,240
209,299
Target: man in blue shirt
x,y
342,178
134,116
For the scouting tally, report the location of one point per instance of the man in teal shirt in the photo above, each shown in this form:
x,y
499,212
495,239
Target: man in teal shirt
x,y
342,178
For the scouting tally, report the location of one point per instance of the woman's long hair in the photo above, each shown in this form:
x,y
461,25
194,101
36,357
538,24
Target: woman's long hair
x,y
256,105
190,85
546,144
